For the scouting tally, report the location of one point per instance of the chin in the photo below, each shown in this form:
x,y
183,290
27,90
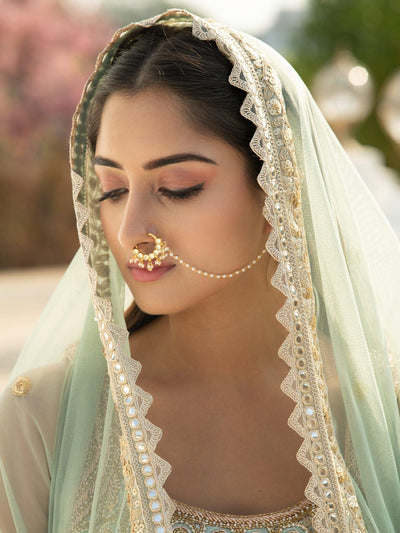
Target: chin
x,y
157,307
172,305
177,297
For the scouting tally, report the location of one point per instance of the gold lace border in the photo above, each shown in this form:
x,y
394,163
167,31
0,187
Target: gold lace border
x,y
284,517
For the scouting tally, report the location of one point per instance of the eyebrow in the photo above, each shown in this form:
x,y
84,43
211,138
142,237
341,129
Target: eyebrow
x,y
156,163
105,162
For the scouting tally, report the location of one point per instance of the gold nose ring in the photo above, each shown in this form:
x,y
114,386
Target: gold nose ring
x,y
161,251
152,259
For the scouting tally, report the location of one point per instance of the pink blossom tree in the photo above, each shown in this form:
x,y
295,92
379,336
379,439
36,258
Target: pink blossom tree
x,y
46,54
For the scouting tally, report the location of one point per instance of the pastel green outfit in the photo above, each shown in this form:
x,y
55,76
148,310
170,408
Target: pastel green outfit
x,y
77,453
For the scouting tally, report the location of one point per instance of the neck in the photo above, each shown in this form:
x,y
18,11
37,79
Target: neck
x,y
234,335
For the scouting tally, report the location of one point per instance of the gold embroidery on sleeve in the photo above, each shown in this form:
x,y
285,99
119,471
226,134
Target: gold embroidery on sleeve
x,y
22,386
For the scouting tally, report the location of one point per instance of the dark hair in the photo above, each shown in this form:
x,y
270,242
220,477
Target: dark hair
x,y
197,72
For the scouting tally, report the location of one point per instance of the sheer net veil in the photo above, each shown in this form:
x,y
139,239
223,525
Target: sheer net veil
x,y
338,264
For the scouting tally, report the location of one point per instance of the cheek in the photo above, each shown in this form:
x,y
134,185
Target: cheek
x,y
234,216
222,232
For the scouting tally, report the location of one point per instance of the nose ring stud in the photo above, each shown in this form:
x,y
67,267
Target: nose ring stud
x,y
151,259
161,251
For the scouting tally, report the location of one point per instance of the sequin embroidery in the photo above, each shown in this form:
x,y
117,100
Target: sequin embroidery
x,y
189,519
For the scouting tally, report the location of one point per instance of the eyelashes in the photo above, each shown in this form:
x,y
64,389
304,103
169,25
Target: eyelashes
x,y
113,195
180,194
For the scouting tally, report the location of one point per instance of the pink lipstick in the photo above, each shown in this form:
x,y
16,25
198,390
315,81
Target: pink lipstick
x,y
142,274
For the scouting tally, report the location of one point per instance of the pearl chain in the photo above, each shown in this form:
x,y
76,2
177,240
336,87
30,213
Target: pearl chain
x,y
161,251
218,276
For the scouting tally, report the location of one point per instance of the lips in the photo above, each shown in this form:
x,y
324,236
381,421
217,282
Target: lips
x,y
142,274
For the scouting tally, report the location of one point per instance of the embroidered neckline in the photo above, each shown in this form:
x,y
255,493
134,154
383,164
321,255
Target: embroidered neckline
x,y
294,512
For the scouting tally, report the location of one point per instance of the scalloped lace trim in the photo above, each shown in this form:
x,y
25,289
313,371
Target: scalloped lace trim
x,y
329,486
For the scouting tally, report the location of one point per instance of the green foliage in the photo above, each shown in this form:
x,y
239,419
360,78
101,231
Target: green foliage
x,y
370,29
123,13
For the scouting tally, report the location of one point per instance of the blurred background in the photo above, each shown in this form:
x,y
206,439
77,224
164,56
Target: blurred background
x,y
348,53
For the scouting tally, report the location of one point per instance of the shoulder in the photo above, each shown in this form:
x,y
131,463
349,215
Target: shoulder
x,y
28,424
31,402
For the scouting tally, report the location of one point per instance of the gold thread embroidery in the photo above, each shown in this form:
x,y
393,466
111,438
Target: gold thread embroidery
x,y
22,386
299,515
109,510
137,524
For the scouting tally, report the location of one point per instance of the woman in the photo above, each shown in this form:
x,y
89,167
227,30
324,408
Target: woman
x,y
219,204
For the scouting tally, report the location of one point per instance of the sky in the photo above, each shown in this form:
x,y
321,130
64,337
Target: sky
x,y
252,16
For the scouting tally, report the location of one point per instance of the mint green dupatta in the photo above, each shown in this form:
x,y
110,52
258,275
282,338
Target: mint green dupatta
x,y
338,265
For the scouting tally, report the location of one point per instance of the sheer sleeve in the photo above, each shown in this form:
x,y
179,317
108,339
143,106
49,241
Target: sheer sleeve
x,y
28,423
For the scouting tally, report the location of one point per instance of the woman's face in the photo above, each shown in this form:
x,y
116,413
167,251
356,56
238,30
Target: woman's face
x,y
189,189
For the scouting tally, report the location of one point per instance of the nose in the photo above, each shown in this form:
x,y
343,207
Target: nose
x,y
135,225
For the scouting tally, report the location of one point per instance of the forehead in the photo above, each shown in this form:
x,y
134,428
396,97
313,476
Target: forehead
x,y
150,109
151,124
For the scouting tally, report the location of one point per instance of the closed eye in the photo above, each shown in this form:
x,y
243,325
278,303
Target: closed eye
x,y
181,194
113,195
